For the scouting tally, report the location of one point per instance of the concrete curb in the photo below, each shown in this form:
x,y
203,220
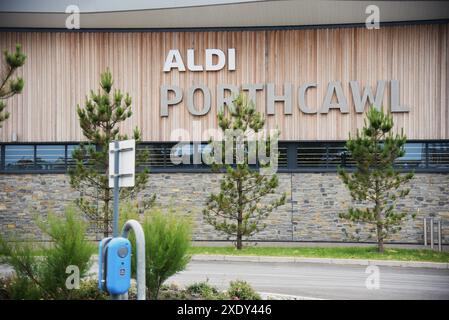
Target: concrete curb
x,y
281,296
360,262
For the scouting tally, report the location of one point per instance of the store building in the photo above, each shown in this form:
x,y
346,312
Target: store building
x,y
313,72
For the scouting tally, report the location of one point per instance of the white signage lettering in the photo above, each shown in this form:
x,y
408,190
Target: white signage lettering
x,y
334,93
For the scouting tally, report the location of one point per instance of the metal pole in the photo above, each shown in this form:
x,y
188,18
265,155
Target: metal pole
x,y
431,233
425,232
439,236
140,248
116,187
116,198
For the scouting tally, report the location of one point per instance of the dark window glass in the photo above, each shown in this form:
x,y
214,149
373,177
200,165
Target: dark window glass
x,y
415,156
70,149
19,157
182,154
50,157
203,150
188,154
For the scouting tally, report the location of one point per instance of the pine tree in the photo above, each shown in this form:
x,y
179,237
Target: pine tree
x,y
237,209
100,120
375,179
9,86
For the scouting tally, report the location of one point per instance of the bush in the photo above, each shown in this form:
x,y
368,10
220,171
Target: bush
x,y
241,290
167,242
89,291
173,292
40,272
201,287
13,288
5,285
206,291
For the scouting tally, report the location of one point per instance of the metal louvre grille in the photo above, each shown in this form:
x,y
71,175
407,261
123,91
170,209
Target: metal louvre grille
x,y
311,156
438,154
158,155
322,155
283,157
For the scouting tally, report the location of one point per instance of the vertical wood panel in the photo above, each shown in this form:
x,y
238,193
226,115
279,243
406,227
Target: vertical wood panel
x,y
62,67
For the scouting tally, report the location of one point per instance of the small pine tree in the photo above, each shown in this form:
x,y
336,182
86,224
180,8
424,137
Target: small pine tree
x,y
375,179
9,86
237,209
99,121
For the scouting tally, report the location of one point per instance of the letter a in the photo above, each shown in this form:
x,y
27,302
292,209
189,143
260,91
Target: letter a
x,y
176,63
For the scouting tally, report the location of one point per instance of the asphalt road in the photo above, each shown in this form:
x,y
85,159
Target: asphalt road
x,y
318,281
322,281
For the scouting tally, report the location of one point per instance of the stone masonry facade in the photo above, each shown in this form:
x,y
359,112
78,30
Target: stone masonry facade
x,y
311,213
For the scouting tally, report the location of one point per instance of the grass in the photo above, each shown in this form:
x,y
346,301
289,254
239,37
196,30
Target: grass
x,y
330,252
324,252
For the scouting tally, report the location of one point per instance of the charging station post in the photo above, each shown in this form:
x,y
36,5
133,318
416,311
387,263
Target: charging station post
x,y
114,273
140,249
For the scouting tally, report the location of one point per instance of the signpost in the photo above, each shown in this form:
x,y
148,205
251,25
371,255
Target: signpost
x,y
122,163
114,272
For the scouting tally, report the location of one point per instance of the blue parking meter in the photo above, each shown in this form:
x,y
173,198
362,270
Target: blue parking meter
x,y
115,265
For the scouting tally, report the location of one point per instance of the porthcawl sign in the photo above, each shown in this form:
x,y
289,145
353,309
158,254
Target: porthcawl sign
x,y
216,60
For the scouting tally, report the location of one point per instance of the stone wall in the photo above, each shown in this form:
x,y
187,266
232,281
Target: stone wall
x,y
310,214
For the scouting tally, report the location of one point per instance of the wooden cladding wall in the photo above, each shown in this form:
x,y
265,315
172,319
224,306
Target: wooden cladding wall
x,y
63,66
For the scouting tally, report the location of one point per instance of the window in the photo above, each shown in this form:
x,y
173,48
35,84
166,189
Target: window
x,y
19,157
50,157
414,158
421,156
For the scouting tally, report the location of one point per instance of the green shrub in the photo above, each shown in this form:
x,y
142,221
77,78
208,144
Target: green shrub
x,y
200,287
40,272
205,291
5,291
19,288
128,210
242,290
89,291
173,292
167,242
15,288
